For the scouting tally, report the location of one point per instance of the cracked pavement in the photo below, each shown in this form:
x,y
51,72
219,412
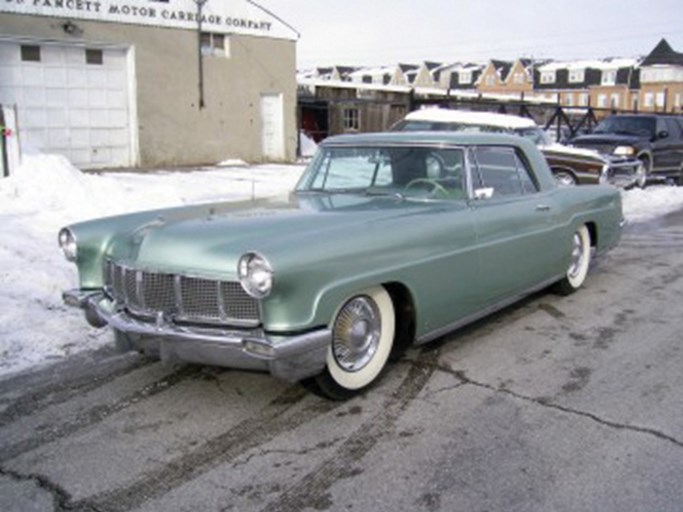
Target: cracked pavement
x,y
557,403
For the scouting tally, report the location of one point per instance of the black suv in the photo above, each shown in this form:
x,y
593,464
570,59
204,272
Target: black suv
x,y
657,140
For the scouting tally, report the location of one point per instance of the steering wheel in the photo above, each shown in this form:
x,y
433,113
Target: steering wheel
x,y
436,187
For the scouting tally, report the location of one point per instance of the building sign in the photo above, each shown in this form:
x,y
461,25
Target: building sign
x,y
223,16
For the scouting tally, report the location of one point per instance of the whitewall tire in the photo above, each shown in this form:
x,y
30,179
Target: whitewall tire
x,y
363,332
579,262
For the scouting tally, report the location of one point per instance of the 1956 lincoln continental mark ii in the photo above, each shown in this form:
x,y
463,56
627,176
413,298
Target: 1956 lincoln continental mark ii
x,y
388,239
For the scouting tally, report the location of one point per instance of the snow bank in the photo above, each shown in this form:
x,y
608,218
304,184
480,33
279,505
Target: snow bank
x,y
653,201
47,192
308,145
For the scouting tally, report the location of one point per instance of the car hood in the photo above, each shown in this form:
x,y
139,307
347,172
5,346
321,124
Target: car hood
x,y
606,138
561,149
209,239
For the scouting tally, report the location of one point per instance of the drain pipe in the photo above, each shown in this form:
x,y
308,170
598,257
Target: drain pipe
x,y
200,60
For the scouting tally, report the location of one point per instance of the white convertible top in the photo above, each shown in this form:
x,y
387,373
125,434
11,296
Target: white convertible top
x,y
444,115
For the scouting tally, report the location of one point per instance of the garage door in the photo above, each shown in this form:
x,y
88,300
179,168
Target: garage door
x,y
70,100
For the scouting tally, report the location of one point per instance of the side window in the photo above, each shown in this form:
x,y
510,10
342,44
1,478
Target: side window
x,y
501,170
673,128
661,126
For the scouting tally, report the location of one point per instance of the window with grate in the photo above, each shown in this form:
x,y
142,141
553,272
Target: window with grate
x,y
30,53
94,57
216,45
351,119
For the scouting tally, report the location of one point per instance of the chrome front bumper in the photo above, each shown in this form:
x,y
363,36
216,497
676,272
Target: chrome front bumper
x,y
289,357
622,174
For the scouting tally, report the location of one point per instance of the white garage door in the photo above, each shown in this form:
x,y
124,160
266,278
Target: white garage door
x,y
70,100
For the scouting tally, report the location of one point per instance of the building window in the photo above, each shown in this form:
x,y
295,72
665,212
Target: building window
x,y
547,77
602,101
615,100
518,78
660,99
351,119
216,45
583,99
609,77
677,100
649,100
569,99
465,77
94,57
490,80
30,53
576,76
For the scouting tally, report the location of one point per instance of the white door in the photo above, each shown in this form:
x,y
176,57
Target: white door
x,y
273,128
70,100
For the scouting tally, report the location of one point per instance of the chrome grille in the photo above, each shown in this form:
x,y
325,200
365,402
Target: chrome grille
x,y
182,298
236,302
200,298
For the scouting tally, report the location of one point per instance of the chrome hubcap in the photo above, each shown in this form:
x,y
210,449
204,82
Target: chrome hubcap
x,y
641,176
577,256
565,180
356,334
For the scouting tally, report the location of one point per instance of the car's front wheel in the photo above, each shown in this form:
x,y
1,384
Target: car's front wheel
x,y
579,262
641,176
363,333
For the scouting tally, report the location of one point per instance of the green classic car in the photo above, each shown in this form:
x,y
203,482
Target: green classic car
x,y
388,239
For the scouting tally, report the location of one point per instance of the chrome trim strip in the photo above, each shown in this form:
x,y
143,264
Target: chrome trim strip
x,y
177,292
430,336
138,289
222,314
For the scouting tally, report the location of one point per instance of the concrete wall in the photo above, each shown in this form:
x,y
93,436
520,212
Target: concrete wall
x,y
172,129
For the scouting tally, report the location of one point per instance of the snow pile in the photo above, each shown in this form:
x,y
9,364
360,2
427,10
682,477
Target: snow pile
x,y
654,201
47,192
307,145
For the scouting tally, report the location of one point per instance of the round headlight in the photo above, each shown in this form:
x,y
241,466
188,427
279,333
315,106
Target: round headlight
x,y
624,151
255,274
67,242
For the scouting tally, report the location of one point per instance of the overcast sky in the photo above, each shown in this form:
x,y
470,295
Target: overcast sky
x,y
374,32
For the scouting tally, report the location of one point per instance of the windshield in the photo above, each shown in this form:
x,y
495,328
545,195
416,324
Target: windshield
x,y
535,135
407,171
626,125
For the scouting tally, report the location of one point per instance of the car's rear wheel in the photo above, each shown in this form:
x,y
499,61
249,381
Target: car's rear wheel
x,y
564,178
579,263
363,333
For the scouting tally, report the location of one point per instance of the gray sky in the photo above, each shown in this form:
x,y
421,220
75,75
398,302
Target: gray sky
x,y
373,32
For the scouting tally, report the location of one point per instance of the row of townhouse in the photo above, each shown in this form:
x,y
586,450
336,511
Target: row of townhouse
x,y
652,83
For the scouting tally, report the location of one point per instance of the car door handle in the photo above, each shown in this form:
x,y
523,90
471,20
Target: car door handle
x,y
542,208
